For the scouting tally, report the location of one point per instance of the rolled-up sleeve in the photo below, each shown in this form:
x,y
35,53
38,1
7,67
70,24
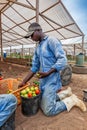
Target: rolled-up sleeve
x,y
56,47
35,63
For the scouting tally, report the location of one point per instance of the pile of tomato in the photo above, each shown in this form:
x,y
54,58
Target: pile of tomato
x,y
30,91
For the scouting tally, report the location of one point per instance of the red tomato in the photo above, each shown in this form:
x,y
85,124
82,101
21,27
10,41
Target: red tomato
x,y
37,91
29,94
1,78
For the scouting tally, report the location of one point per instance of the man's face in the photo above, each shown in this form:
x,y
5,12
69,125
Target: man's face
x,y
35,36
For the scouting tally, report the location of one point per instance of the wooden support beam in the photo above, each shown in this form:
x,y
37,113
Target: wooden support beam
x,y
74,49
5,6
70,16
53,28
82,43
59,24
22,4
37,11
1,39
22,51
13,21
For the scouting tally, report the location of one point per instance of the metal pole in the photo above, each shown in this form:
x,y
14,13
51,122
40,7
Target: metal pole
x,y
1,39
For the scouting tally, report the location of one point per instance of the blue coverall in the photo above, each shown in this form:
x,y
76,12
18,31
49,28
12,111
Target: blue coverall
x,y
49,54
8,104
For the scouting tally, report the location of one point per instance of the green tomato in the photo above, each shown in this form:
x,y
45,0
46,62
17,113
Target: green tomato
x,y
32,88
36,88
30,91
27,90
25,95
23,92
38,74
34,94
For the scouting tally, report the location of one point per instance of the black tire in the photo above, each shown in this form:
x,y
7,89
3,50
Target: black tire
x,y
66,75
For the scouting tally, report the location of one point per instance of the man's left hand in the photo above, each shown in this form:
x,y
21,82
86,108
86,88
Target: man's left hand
x,y
43,74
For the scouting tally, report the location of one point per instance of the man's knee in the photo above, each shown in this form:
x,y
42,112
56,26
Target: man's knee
x,y
13,99
47,112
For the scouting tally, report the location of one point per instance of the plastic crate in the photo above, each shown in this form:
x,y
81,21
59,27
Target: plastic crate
x,y
12,85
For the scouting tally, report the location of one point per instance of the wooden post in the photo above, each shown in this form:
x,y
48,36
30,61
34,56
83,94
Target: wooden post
x,y
29,58
37,11
1,39
82,44
22,51
10,51
84,54
74,52
37,14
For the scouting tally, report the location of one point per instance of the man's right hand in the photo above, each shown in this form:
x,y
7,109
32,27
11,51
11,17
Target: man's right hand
x,y
26,79
21,84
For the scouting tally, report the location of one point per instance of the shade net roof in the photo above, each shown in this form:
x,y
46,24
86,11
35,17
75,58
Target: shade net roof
x,y
75,44
17,15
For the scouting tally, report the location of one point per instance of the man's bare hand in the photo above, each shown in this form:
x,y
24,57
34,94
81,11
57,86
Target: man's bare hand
x,y
43,74
21,84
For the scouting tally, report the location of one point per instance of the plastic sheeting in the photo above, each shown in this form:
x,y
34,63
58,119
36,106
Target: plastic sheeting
x,y
53,17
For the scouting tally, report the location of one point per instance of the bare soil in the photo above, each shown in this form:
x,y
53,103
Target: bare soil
x,y
73,120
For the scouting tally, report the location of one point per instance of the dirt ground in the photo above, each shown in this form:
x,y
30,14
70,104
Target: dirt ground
x,y
73,120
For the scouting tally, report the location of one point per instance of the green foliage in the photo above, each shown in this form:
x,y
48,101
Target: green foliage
x,y
28,56
18,55
69,57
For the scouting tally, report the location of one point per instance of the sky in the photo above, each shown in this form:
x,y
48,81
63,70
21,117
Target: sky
x,y
78,10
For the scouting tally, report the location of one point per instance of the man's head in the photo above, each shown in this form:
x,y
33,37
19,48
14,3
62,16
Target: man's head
x,y
34,31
